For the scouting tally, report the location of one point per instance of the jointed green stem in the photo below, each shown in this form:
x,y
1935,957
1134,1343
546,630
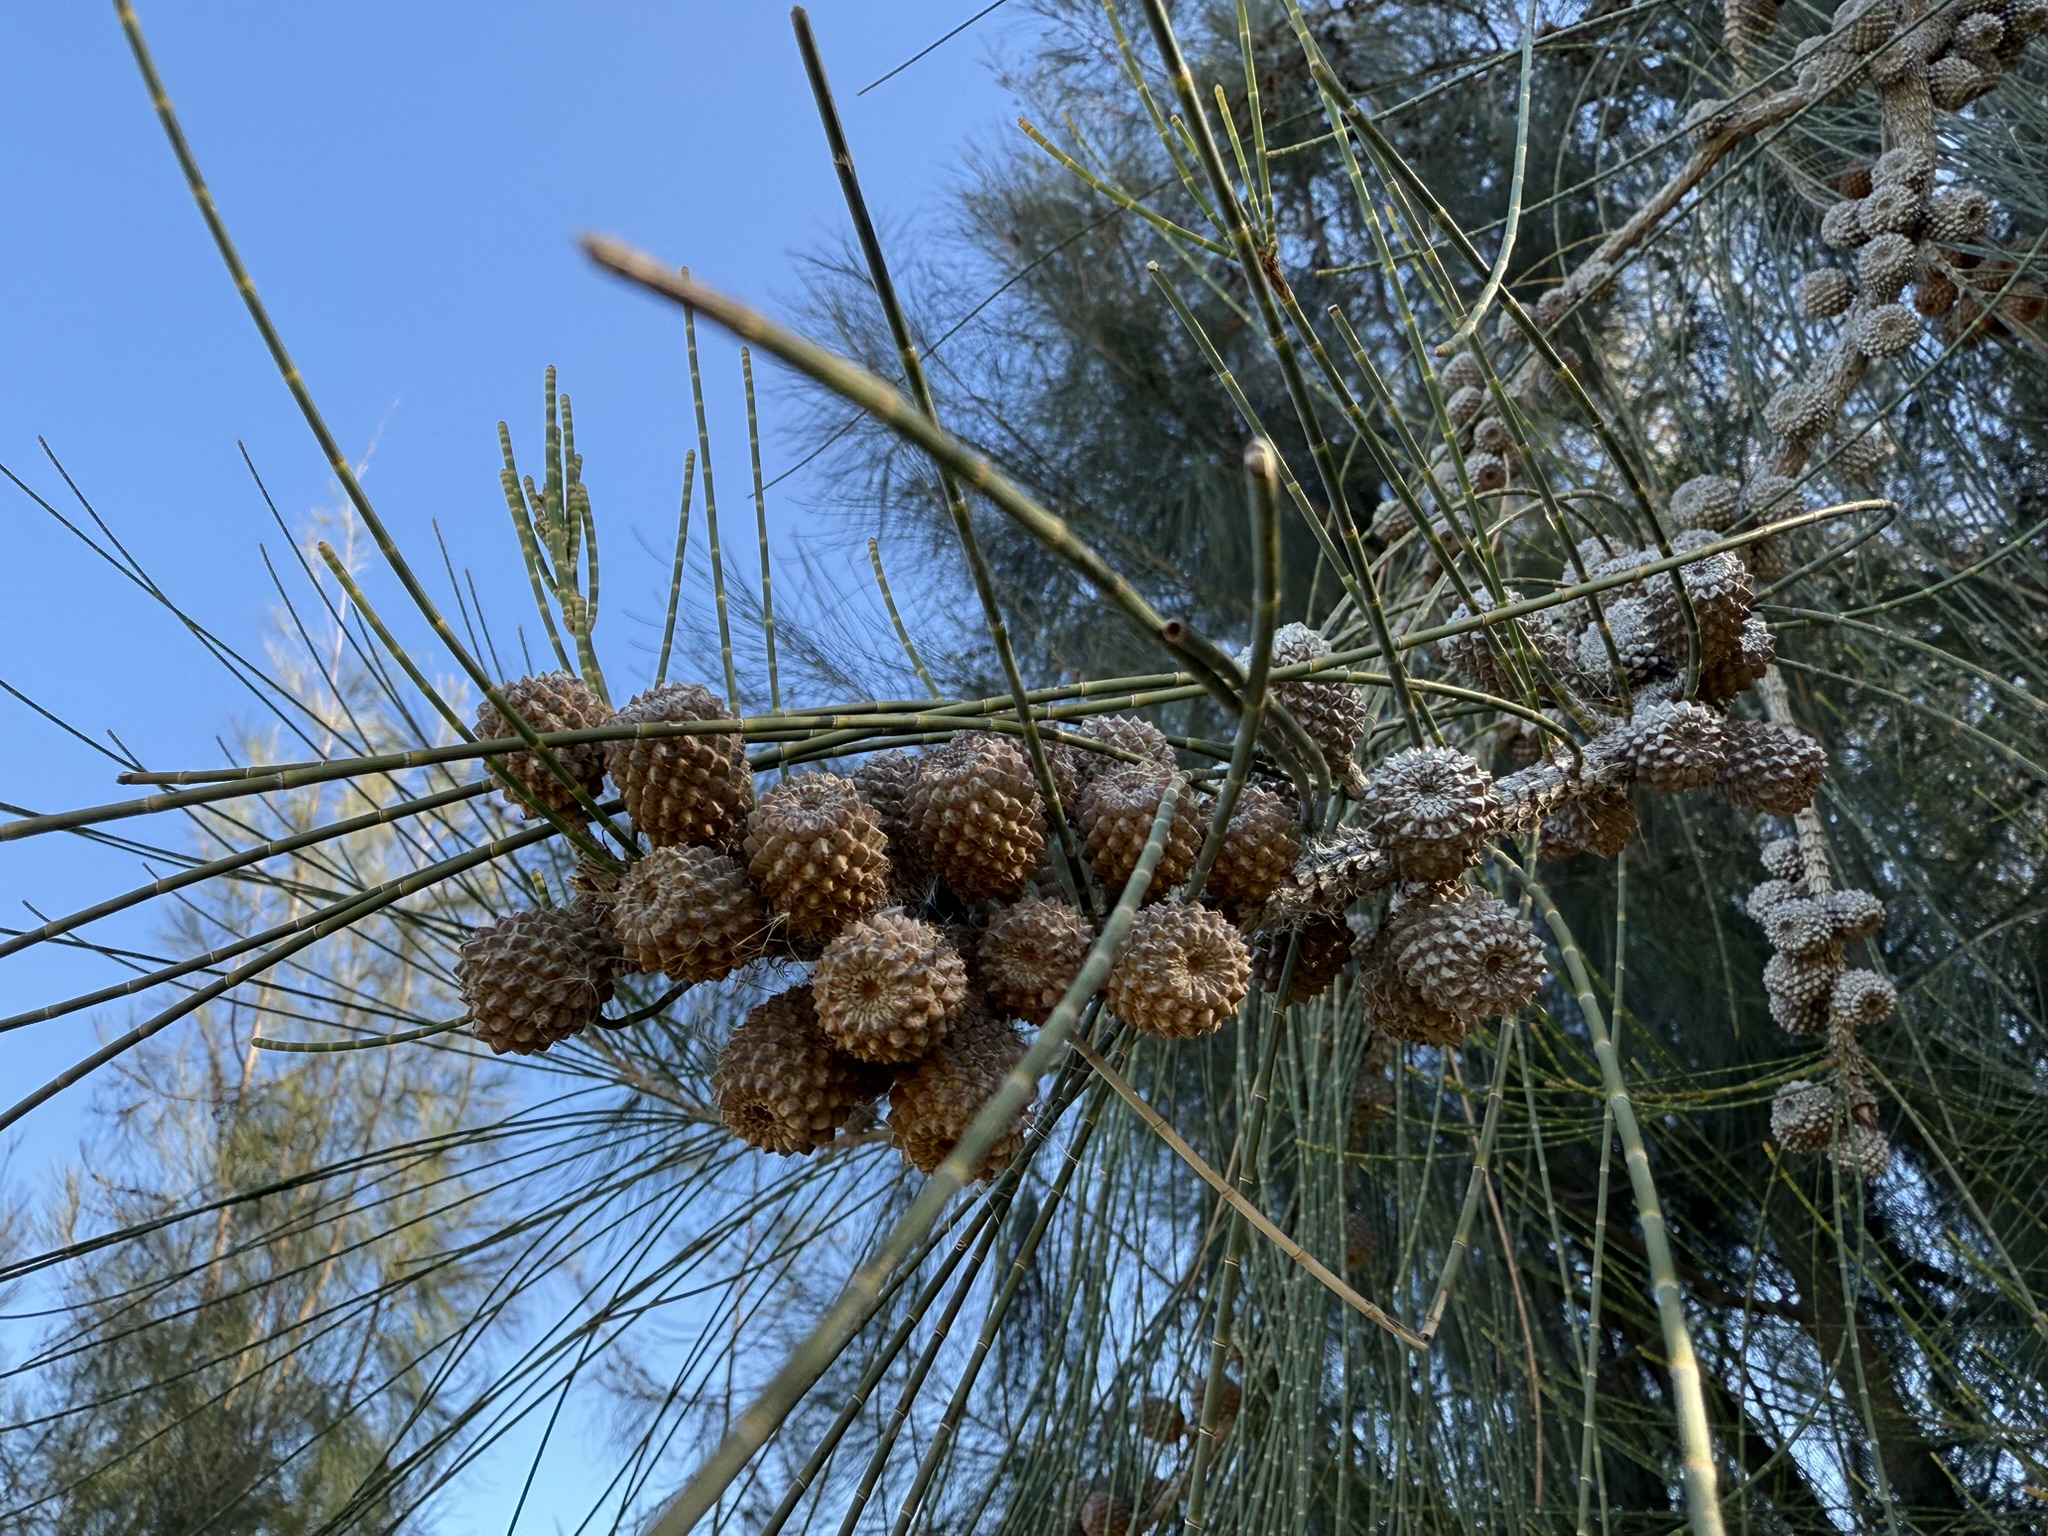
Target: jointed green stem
x,y
896,618
1695,1438
675,579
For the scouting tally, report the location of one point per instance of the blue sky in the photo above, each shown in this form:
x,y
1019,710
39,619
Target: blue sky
x,y
405,183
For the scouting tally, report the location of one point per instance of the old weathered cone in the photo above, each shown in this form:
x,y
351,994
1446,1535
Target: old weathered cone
x,y
539,976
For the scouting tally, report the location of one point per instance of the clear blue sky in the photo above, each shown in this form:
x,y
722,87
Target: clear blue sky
x,y
405,182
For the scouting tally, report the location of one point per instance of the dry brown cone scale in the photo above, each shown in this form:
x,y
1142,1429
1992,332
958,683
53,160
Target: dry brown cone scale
x,y
816,852
1183,971
1771,769
1030,954
682,789
690,913
978,817
538,977
1400,1011
933,1102
1260,845
887,781
1127,733
1332,713
1325,949
1466,953
1119,810
1602,824
549,701
1431,809
1159,1419
886,989
779,1084
1106,1514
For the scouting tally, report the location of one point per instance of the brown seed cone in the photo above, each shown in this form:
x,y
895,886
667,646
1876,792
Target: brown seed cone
x,y
550,701
1031,954
1259,849
1803,979
1768,895
1326,945
1359,1243
887,782
979,816
886,989
1773,769
1782,857
1803,1117
1466,953
935,1101
1127,733
1107,1514
1721,590
1476,660
1864,1151
538,977
1675,747
1706,501
1725,677
1398,1010
1333,714
1638,641
1182,973
1861,998
1798,926
690,913
1159,1418
1854,914
1121,805
1798,1018
1601,824
817,853
682,789
781,1086
1431,809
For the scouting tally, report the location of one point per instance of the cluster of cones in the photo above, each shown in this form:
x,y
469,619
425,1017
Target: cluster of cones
x,y
918,889
1814,991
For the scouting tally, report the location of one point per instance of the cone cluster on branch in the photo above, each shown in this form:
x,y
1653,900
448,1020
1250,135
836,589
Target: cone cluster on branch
x,y
906,887
1813,991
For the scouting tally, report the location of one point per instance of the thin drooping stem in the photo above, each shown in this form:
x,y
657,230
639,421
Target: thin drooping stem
x,y
1695,1436
1257,1219
1261,270
896,618
886,404
341,915
1482,1157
